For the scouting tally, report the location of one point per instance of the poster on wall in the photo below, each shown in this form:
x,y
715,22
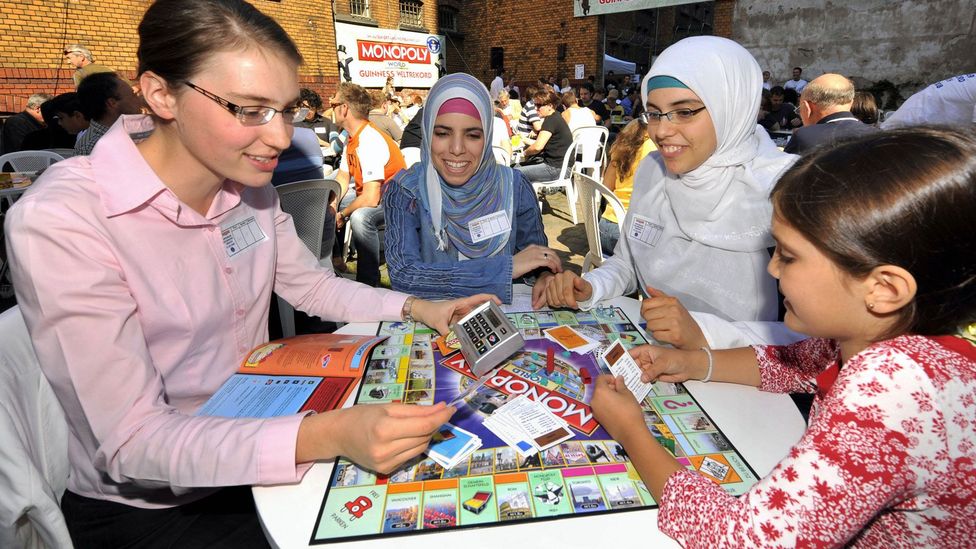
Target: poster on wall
x,y
367,55
583,8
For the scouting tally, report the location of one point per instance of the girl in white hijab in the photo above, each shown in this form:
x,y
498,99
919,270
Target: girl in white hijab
x,y
699,219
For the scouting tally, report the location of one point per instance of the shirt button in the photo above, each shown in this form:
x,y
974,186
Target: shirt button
x,y
240,312
211,228
228,270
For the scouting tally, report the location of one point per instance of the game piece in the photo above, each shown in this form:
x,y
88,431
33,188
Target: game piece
x,y
586,377
550,360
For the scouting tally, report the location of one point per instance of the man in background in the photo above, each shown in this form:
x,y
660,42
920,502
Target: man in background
x,y
371,158
23,123
104,98
796,83
84,63
825,108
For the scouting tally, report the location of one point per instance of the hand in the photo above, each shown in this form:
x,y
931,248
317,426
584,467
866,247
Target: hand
x,y
340,220
669,321
532,258
382,436
539,289
566,289
671,365
615,407
439,315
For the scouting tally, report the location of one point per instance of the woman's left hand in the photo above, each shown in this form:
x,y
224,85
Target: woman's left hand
x,y
615,407
534,257
439,315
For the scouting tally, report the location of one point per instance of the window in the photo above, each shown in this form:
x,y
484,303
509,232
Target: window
x,y
447,18
412,13
359,7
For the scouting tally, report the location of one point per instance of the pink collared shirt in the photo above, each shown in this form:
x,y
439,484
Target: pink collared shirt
x,y
140,308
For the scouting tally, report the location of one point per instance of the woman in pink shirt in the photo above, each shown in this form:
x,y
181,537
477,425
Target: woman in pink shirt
x,y
145,273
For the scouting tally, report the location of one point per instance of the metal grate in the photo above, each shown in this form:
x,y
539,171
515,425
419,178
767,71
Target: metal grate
x,y
411,13
359,7
447,18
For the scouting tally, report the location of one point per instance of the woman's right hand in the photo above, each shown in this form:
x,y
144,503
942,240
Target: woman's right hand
x,y
378,437
566,289
670,322
532,258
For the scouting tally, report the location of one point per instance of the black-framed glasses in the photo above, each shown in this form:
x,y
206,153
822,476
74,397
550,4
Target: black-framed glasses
x,y
677,116
69,52
254,115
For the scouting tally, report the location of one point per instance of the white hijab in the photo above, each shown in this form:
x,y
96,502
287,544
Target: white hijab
x,y
724,202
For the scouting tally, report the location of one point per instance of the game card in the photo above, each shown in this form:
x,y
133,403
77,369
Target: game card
x,y
570,339
623,365
451,444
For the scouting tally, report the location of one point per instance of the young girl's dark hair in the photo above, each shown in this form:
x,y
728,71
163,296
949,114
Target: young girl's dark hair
x,y
903,198
176,37
623,153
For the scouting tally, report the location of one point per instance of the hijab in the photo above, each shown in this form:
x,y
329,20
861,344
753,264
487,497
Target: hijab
x,y
489,190
725,201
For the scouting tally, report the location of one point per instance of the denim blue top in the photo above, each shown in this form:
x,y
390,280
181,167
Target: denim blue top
x,y
418,268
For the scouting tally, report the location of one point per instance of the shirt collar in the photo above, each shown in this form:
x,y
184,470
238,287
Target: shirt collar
x,y
126,181
835,116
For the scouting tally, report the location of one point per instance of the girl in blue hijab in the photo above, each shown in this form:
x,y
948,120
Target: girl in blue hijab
x,y
458,223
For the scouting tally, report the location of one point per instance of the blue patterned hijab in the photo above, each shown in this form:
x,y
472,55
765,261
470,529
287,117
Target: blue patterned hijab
x,y
489,190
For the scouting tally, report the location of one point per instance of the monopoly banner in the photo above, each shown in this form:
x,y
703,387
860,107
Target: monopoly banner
x,y
582,8
367,55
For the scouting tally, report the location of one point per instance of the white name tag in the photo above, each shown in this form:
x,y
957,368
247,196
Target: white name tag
x,y
241,236
645,230
489,225
321,130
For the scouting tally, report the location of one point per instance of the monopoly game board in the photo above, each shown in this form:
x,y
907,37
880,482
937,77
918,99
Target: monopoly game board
x,y
589,473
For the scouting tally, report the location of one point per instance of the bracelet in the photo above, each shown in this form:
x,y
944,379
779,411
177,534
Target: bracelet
x,y
711,364
407,312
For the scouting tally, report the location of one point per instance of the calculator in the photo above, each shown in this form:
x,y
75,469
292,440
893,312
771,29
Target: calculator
x,y
487,337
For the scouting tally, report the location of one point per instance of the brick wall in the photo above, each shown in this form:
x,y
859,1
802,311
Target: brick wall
x,y
724,10
33,34
531,34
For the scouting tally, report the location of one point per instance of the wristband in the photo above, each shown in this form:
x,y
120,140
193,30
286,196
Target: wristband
x,y
711,364
407,312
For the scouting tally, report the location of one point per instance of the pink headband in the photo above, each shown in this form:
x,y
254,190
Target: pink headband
x,y
460,106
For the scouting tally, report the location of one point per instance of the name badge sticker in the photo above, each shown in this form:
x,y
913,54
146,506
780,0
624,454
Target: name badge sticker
x,y
488,226
645,230
241,236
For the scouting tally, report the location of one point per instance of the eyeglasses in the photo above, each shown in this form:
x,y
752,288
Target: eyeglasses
x,y
69,52
255,115
677,116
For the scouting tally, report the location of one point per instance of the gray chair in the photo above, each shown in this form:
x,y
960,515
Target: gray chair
x,y
30,161
590,191
307,202
33,445
65,153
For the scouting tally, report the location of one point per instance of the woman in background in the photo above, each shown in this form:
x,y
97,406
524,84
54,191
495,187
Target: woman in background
x,y
630,147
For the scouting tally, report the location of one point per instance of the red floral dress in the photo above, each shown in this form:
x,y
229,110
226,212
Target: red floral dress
x,y
889,458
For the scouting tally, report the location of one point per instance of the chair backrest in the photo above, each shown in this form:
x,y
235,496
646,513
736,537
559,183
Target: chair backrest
x,y
307,202
33,445
64,153
30,161
501,155
589,191
590,144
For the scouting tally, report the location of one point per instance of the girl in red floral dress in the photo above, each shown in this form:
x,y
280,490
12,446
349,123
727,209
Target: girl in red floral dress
x,y
874,256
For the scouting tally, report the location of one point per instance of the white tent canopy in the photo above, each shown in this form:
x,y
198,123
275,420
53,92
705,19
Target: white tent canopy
x,y
618,66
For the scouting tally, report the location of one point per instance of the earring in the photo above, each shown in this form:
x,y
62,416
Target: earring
x,y
871,306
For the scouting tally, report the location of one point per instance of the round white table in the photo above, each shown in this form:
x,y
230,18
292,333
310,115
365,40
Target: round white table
x,y
762,426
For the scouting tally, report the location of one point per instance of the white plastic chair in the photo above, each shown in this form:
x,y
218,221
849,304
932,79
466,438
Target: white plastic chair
x,y
501,155
65,153
564,180
590,144
30,161
33,445
307,202
590,192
